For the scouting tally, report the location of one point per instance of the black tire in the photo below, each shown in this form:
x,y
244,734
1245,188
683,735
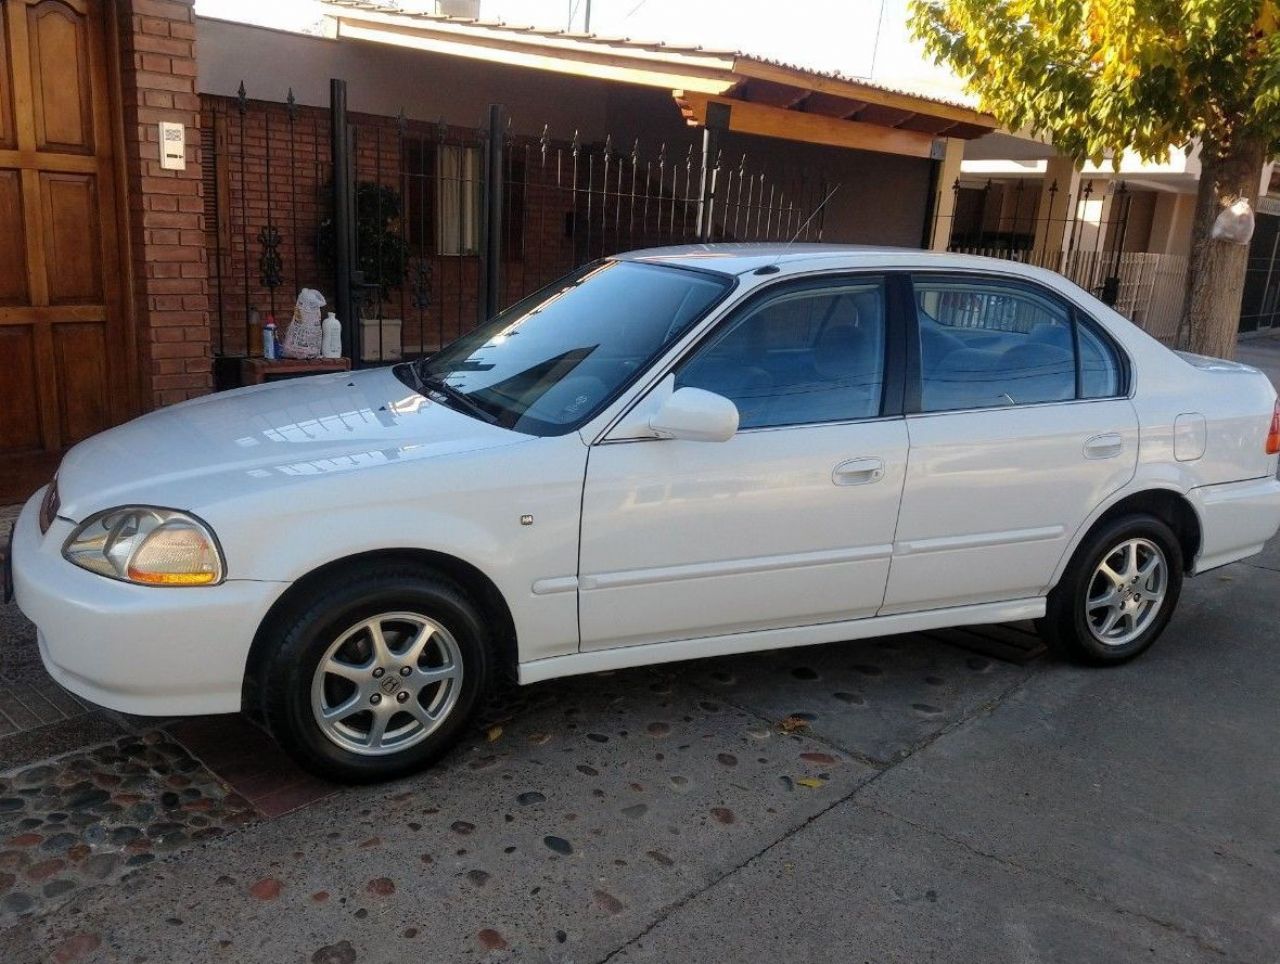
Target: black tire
x,y
306,632
1065,626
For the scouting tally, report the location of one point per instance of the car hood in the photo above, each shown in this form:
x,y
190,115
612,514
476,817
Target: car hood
x,y
234,443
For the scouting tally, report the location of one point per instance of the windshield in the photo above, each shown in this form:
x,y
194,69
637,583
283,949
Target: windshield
x,y
549,363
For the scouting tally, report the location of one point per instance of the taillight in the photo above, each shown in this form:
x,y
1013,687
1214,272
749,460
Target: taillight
x,y
1273,436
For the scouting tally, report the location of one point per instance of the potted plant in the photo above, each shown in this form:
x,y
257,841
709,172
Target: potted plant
x,y
381,257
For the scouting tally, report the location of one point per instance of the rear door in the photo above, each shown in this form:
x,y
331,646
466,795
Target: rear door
x,y
1019,426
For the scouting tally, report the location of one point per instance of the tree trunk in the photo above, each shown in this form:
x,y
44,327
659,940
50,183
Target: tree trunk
x,y
1215,278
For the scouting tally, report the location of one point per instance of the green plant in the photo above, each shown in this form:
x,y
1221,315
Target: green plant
x,y
381,254
1108,76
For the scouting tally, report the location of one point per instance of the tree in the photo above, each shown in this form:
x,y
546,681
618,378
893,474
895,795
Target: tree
x,y
1104,76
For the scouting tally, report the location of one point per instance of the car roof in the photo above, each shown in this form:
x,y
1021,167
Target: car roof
x,y
740,258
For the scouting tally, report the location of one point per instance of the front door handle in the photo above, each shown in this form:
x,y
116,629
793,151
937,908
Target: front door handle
x,y
858,471
1104,446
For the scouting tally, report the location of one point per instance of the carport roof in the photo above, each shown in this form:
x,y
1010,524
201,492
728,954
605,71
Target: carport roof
x,y
757,95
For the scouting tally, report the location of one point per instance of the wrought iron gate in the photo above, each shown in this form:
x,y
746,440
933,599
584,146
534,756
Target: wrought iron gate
x,y
416,231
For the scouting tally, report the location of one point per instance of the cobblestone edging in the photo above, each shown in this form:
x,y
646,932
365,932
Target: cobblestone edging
x,y
95,815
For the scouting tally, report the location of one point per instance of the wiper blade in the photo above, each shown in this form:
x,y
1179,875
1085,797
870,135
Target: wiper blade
x,y
438,385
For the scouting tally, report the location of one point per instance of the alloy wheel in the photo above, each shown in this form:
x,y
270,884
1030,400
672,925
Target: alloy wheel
x,y
386,683
1126,591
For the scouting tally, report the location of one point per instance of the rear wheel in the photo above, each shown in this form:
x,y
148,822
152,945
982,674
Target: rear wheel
x,y
1118,592
376,675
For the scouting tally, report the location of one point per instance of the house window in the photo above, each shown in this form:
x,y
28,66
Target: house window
x,y
458,180
441,197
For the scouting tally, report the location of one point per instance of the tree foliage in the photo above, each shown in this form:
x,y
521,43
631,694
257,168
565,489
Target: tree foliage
x,y
1104,76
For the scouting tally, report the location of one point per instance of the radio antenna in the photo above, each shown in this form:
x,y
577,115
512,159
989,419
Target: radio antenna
x,y
773,265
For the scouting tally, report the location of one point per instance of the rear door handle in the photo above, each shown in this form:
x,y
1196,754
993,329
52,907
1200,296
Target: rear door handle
x,y
858,471
1106,446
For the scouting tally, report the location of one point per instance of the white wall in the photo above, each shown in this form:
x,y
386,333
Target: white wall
x,y
382,80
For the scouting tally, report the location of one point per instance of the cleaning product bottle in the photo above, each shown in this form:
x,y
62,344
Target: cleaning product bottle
x,y
269,338
331,336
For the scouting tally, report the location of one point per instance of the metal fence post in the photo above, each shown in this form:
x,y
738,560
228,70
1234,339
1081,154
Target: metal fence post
x,y
717,120
491,267
343,219
1111,284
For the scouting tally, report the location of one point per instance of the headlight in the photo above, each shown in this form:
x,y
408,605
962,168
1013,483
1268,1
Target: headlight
x,y
145,545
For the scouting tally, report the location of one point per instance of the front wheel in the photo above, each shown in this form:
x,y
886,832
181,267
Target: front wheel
x,y
1118,592
376,675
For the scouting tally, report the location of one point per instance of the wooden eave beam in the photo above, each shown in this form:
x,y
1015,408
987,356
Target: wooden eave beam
x,y
887,116
762,70
775,95
765,121
828,105
937,126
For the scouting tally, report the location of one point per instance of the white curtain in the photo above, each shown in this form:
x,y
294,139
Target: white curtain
x,y
457,199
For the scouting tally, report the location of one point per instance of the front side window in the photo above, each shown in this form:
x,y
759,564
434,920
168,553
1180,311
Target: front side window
x,y
809,355
992,343
552,361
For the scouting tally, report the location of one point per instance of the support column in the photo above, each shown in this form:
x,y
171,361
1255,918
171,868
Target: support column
x,y
944,194
157,40
1092,215
1058,194
1171,224
343,218
491,266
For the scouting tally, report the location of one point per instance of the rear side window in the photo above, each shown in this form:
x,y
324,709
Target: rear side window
x,y
988,343
1100,373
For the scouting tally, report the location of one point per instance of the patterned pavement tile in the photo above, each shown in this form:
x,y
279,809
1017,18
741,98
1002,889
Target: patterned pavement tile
x,y
95,815
250,762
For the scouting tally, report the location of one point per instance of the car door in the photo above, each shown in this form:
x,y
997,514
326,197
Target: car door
x,y
1019,426
788,523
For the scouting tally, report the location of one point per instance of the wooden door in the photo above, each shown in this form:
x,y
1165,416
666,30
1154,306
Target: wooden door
x,y
67,358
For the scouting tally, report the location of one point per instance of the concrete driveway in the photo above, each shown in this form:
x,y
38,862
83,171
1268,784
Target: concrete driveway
x,y
950,797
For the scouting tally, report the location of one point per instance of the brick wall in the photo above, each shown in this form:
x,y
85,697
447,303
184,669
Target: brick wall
x,y
266,166
158,68
261,169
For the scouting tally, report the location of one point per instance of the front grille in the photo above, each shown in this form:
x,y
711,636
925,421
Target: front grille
x,y
49,506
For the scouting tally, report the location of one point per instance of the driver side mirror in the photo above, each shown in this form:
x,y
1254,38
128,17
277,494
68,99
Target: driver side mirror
x,y
696,416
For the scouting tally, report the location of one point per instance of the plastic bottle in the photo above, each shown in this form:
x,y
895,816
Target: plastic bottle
x,y
331,336
269,348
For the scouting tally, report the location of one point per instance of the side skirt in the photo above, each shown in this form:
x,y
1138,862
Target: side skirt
x,y
625,657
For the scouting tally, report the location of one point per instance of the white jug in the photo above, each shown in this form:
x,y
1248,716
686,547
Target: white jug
x,y
331,337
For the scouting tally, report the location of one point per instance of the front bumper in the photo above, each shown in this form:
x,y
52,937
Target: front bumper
x,y
1236,520
147,650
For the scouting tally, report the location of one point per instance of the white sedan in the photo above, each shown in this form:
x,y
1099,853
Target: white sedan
x,y
670,454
